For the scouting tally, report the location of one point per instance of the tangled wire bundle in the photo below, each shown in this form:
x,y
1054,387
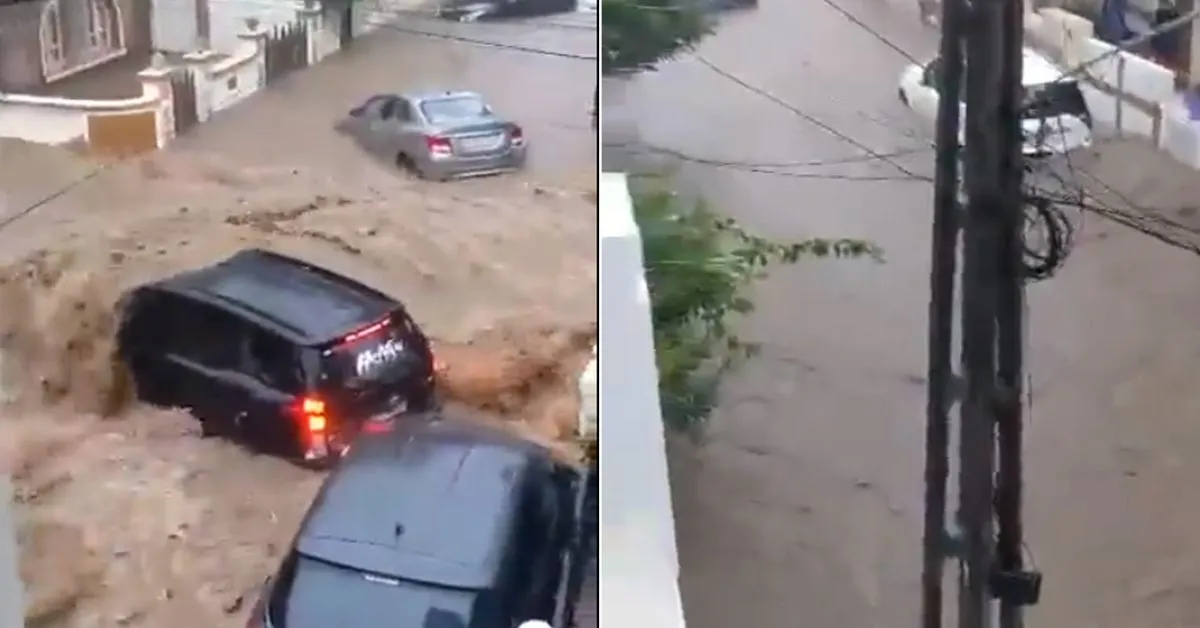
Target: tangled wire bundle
x,y
1049,236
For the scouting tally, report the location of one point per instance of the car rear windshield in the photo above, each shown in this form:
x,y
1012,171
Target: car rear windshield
x,y
380,353
441,110
314,593
1055,99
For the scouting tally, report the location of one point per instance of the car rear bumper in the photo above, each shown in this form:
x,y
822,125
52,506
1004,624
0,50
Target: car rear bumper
x,y
325,451
461,167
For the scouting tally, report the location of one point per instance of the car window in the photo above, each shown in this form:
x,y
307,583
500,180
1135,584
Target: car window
x,y
933,73
403,110
388,108
453,108
1054,99
313,592
933,77
371,106
199,332
147,325
272,361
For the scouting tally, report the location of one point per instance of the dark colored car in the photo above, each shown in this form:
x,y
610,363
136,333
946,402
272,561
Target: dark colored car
x,y
435,523
284,356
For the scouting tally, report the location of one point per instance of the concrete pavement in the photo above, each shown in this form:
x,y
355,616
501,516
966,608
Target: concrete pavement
x,y
803,504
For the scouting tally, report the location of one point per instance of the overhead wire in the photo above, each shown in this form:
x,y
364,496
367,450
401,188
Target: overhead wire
x,y
1047,211
768,168
877,155
871,31
53,196
822,176
807,163
1133,42
1048,205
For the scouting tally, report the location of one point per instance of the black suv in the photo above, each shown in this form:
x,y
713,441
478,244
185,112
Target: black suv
x,y
435,523
286,357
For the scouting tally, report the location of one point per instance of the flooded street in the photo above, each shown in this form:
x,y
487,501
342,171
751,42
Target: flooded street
x,y
127,517
803,505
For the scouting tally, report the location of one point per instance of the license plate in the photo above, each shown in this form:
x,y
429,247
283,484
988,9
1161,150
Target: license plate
x,y
481,144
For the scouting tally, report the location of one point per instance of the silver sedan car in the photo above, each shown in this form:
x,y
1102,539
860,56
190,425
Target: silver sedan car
x,y
438,135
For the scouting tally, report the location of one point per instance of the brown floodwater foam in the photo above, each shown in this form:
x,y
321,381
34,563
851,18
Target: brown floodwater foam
x,y
524,376
58,326
57,331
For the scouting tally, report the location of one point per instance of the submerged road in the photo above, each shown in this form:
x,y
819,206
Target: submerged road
x,y
802,507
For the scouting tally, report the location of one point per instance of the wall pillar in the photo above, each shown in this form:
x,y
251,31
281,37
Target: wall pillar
x,y
199,63
257,35
156,80
310,16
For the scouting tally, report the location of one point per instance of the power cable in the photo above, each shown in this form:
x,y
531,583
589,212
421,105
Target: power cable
x,y
56,194
1126,45
1059,235
874,33
824,176
811,119
1143,221
812,163
1147,221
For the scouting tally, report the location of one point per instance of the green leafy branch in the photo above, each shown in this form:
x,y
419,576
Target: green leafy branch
x,y
636,35
698,266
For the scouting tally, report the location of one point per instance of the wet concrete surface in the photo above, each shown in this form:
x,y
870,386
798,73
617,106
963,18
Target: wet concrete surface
x,y
802,506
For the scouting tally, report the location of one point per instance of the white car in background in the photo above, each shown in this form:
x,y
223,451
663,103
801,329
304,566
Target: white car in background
x,y
1056,118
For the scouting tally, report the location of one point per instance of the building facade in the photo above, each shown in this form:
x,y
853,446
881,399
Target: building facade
x,y
46,41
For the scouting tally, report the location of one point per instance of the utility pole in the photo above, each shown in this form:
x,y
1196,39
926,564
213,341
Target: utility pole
x,y
940,376
1011,584
987,540
982,228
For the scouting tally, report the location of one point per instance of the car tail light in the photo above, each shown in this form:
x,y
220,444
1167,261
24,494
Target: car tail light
x,y
312,413
438,145
516,135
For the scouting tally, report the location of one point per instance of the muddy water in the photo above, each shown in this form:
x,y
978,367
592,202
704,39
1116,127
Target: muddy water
x,y
803,506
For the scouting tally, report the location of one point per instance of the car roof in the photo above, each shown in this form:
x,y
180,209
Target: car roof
x,y
1038,70
422,95
432,501
307,304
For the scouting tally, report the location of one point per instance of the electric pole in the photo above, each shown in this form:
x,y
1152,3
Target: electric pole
x,y
985,36
943,270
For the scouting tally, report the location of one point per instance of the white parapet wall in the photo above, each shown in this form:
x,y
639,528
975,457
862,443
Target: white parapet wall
x,y
12,591
639,564
1127,94
589,418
